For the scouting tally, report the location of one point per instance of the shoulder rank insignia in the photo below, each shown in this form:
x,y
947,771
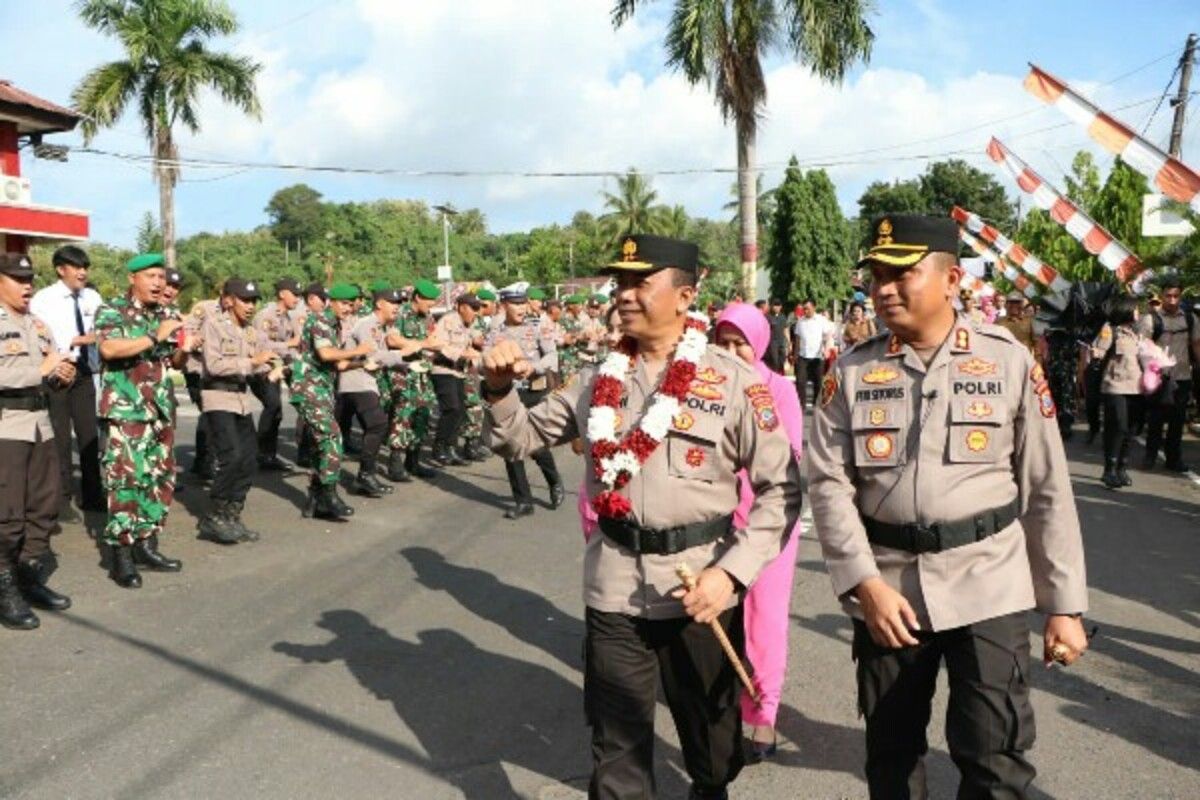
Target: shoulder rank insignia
x,y
893,347
880,375
962,339
978,367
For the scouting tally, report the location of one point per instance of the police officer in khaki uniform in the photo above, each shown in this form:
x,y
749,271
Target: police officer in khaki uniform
x,y
676,509
281,335
943,504
203,466
231,353
542,354
455,331
1017,323
29,474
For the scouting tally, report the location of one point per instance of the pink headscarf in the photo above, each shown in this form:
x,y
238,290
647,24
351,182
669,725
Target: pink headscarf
x,y
751,323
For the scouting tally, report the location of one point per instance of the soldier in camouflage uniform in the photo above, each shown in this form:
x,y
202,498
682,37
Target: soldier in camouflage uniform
x,y
313,381
472,429
413,399
1062,368
574,338
136,337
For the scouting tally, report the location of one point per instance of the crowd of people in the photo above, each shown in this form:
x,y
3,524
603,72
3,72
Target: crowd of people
x,y
694,436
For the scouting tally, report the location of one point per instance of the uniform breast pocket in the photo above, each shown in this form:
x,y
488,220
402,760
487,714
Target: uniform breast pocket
x,y
692,457
980,430
879,430
16,347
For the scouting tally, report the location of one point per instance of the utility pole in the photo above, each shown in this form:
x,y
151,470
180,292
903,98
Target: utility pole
x,y
1181,99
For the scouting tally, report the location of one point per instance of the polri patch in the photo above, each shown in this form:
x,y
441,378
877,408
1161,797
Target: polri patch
x,y
1046,401
763,404
829,388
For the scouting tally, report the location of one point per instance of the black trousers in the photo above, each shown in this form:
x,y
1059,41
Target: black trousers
x,y
233,445
809,371
518,481
989,721
624,659
451,393
776,357
1093,377
74,408
365,407
1172,418
1117,433
29,498
192,380
269,420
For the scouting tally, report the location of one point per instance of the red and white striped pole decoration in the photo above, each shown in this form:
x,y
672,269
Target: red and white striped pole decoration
x,y
1024,285
1031,264
1173,178
1097,241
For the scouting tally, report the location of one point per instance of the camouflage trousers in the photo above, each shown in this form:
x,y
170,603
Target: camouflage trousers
x,y
473,427
412,403
1062,365
138,468
314,404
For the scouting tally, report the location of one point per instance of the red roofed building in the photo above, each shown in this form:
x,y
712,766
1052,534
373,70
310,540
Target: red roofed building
x,y
22,222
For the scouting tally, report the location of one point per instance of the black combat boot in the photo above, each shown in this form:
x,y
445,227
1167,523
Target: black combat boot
x,y
476,451
558,493
233,512
329,506
380,486
396,470
217,527
518,510
124,571
364,486
31,575
1110,477
310,502
412,462
339,505
15,612
145,552
1122,472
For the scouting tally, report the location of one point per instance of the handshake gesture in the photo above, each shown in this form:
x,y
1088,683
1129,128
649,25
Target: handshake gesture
x,y
504,364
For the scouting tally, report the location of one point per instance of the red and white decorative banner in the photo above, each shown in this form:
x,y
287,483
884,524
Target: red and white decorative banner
x,y
1024,285
1041,271
1173,178
1097,241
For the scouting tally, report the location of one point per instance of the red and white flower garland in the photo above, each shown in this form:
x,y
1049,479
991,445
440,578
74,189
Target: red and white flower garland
x,y
615,463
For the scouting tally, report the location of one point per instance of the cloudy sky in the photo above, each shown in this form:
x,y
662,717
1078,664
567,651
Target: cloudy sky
x,y
501,86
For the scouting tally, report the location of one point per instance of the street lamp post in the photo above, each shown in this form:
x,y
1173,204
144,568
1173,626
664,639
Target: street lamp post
x,y
448,211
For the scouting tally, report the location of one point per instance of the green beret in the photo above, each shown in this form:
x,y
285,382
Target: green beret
x,y
379,285
145,261
427,289
343,291
599,298
486,294
574,299
535,294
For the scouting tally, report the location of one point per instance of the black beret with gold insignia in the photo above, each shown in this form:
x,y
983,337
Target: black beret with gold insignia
x,y
646,253
901,240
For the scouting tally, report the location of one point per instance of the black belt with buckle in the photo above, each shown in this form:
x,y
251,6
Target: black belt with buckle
x,y
664,541
23,400
939,536
220,385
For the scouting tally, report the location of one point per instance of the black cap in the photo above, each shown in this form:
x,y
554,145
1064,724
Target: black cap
x,y
16,265
70,254
242,289
645,253
174,278
468,299
390,295
317,289
290,284
901,240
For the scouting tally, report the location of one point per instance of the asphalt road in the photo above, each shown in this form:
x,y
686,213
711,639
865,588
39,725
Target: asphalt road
x,y
431,649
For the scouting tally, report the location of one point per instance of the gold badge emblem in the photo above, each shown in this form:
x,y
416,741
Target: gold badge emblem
x,y
879,446
880,375
884,233
629,250
977,440
979,409
15,346
977,367
684,421
878,416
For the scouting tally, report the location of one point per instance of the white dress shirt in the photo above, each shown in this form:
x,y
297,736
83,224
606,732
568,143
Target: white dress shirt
x,y
55,306
813,332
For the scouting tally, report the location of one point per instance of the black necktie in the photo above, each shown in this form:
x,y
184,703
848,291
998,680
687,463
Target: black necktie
x,y
83,363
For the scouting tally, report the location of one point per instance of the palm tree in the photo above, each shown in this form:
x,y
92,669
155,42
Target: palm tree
x,y
166,66
673,221
723,42
764,202
631,208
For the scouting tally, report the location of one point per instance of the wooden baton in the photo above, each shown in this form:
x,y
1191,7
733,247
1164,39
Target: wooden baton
x,y
689,582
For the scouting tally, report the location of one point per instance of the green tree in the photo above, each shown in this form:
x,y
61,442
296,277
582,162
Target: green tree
x,y
946,184
166,65
723,43
296,215
631,208
812,249
673,221
149,236
879,198
1118,208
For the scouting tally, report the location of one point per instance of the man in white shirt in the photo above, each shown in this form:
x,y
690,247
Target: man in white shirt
x,y
812,337
68,307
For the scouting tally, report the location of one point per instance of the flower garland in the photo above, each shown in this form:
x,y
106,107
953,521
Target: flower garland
x,y
615,463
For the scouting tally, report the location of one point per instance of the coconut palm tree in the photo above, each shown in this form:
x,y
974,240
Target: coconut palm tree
x,y
723,42
166,66
631,208
764,202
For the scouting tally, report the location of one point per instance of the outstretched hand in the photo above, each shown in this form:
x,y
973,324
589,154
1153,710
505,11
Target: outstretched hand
x,y
504,364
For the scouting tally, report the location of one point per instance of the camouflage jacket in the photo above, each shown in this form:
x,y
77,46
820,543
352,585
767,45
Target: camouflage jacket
x,y
308,370
136,389
412,325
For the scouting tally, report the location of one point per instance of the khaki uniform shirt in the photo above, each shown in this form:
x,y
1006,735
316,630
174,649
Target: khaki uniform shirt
x,y
24,343
1123,372
193,324
540,350
456,339
355,331
729,423
902,442
225,354
1174,340
276,328
1022,330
